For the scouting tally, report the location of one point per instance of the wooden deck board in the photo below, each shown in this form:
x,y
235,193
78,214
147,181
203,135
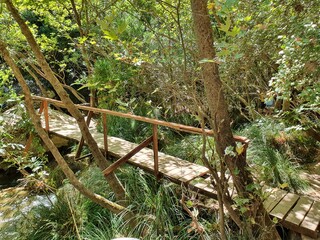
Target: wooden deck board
x,y
169,166
298,213
203,183
203,186
303,217
284,206
275,196
311,221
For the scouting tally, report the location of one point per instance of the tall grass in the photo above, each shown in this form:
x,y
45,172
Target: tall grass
x,y
271,165
157,206
158,211
62,220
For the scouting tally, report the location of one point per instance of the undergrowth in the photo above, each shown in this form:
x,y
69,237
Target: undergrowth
x,y
270,162
156,205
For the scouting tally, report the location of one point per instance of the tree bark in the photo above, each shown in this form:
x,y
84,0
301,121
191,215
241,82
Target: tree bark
x,y
115,208
218,107
50,76
220,121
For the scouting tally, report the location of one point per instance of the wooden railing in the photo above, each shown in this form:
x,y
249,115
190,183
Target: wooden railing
x,y
152,139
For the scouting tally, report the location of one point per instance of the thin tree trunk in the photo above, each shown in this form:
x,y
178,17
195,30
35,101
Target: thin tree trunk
x,y
50,76
220,120
38,82
113,207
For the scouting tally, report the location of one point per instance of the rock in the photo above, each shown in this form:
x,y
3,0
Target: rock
x,y
59,141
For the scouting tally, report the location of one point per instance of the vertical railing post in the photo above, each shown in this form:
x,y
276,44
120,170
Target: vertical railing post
x,y
41,108
105,133
155,150
46,114
246,145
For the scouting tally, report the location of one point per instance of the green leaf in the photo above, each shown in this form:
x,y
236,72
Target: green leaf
x,y
225,27
229,151
111,35
223,53
236,171
189,204
239,148
82,40
235,31
122,27
122,108
247,18
238,55
103,25
283,185
275,220
206,60
243,209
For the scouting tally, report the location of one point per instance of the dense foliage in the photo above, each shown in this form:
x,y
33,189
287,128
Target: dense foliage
x,y
140,57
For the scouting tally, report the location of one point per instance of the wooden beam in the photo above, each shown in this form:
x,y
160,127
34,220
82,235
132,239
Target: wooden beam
x,y
275,196
84,156
105,134
46,114
125,158
28,145
41,108
311,221
297,214
155,150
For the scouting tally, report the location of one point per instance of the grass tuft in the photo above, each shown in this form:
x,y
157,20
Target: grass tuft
x,y
272,165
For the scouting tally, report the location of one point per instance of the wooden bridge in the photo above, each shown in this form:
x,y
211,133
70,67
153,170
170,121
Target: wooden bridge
x,y
297,213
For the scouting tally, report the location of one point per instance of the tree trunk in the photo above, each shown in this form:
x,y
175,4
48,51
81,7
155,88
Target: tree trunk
x,y
220,120
115,208
50,76
218,107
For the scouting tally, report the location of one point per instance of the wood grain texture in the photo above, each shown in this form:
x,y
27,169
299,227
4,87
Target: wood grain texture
x,y
300,210
299,214
284,206
274,197
311,221
169,166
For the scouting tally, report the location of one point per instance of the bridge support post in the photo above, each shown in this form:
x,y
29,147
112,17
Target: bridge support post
x,y
125,158
155,150
46,114
105,134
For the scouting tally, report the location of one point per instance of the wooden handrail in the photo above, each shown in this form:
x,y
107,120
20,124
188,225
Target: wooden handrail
x,y
180,127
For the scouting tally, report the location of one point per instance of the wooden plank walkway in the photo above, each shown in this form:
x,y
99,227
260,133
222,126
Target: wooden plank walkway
x,y
176,169
298,213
